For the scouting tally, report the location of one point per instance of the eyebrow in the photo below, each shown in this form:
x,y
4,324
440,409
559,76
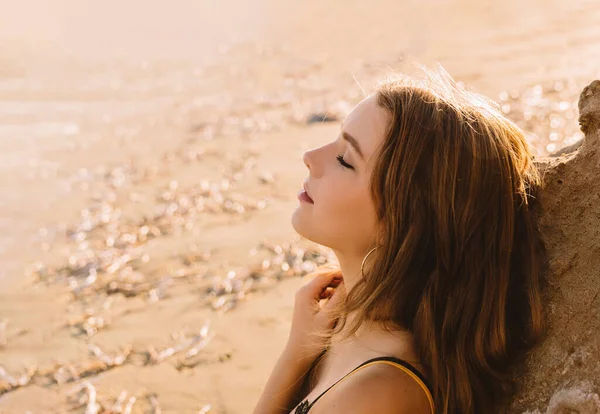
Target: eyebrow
x,y
353,142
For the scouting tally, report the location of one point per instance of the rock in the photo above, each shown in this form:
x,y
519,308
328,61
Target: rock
x,y
568,149
563,373
573,400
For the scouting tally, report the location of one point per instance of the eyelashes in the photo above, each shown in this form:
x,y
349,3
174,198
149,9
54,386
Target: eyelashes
x,y
344,164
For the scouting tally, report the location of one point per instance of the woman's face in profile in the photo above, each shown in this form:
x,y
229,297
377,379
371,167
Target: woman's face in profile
x,y
342,215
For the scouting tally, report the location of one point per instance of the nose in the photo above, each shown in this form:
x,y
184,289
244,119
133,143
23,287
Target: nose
x,y
305,158
313,159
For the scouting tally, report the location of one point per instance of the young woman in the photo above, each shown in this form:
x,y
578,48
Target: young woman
x,y
426,197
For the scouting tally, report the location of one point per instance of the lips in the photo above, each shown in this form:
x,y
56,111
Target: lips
x,y
306,192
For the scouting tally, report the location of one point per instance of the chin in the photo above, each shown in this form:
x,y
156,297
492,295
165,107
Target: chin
x,y
298,225
306,231
301,226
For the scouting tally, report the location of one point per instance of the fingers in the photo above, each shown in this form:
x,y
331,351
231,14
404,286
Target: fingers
x,y
325,277
327,293
319,284
329,289
336,297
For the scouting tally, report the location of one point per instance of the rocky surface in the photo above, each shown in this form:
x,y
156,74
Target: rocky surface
x,y
563,373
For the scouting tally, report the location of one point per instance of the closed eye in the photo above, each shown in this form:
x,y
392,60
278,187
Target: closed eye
x,y
340,159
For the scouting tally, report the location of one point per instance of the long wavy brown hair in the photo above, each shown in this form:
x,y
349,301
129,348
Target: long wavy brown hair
x,y
460,262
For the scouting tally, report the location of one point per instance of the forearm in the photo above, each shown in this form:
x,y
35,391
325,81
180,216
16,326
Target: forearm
x,y
283,385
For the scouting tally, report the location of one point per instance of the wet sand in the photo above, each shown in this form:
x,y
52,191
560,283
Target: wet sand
x,y
177,117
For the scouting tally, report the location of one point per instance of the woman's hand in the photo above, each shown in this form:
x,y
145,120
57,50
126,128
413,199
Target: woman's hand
x,y
310,314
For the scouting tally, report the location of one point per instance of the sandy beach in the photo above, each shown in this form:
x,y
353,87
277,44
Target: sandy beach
x,y
150,157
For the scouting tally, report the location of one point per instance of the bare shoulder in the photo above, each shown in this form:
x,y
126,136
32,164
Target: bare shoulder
x,y
379,388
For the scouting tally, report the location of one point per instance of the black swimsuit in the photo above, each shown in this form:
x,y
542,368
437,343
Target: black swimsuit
x,y
304,407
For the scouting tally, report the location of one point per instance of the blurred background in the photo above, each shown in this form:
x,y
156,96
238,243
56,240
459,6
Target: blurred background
x,y
150,156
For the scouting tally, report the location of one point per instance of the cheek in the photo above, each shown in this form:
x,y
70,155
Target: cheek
x,y
347,210
342,217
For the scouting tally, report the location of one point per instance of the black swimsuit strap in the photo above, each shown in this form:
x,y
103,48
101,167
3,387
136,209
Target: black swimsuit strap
x,y
383,358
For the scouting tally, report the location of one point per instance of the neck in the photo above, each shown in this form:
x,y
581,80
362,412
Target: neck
x,y
370,341
370,335
350,265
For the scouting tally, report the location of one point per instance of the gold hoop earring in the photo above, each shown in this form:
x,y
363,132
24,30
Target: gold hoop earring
x,y
363,262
